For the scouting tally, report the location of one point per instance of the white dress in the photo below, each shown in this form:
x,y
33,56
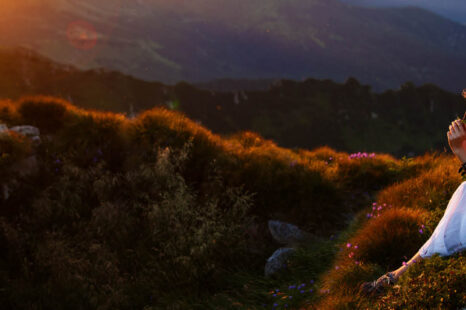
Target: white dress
x,y
449,236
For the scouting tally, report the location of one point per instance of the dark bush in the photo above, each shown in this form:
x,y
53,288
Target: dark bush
x,y
13,148
46,113
97,238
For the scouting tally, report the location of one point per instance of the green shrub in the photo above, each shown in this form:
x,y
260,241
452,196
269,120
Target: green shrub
x,y
367,173
46,113
434,283
289,191
94,137
97,238
8,113
160,127
13,148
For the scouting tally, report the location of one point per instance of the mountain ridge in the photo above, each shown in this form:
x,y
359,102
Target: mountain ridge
x,y
292,113
380,47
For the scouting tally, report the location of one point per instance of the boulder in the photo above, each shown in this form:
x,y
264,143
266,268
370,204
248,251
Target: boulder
x,y
277,260
26,130
286,233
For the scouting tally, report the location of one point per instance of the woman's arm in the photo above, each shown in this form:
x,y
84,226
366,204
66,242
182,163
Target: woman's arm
x,y
457,139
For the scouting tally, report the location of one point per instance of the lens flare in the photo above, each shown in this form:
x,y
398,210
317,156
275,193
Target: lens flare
x,y
82,35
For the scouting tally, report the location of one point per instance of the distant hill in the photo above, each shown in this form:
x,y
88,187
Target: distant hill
x,y
296,114
452,9
201,40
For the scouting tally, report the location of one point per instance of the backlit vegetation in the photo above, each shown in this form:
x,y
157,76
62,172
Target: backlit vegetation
x,y
157,212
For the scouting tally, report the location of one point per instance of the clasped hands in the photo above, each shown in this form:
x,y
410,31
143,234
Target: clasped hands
x,y
457,139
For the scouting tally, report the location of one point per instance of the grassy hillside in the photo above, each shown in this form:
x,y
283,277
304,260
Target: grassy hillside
x,y
157,212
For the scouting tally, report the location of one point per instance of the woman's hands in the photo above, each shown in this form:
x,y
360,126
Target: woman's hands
x,y
457,138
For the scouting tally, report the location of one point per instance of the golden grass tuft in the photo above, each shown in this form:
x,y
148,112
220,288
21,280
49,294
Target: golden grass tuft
x,y
430,190
386,239
8,113
251,139
383,243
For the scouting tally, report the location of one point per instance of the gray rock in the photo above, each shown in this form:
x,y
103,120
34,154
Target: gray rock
x,y
277,260
286,233
3,128
26,130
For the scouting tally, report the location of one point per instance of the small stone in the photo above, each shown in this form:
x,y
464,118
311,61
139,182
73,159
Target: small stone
x,y
26,130
286,233
276,261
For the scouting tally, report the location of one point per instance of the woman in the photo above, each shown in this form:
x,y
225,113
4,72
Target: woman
x,y
450,234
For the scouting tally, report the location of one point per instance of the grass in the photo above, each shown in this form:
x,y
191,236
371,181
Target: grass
x,y
157,212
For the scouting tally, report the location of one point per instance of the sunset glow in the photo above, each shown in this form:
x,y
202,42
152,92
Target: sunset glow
x,y
82,35
233,154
